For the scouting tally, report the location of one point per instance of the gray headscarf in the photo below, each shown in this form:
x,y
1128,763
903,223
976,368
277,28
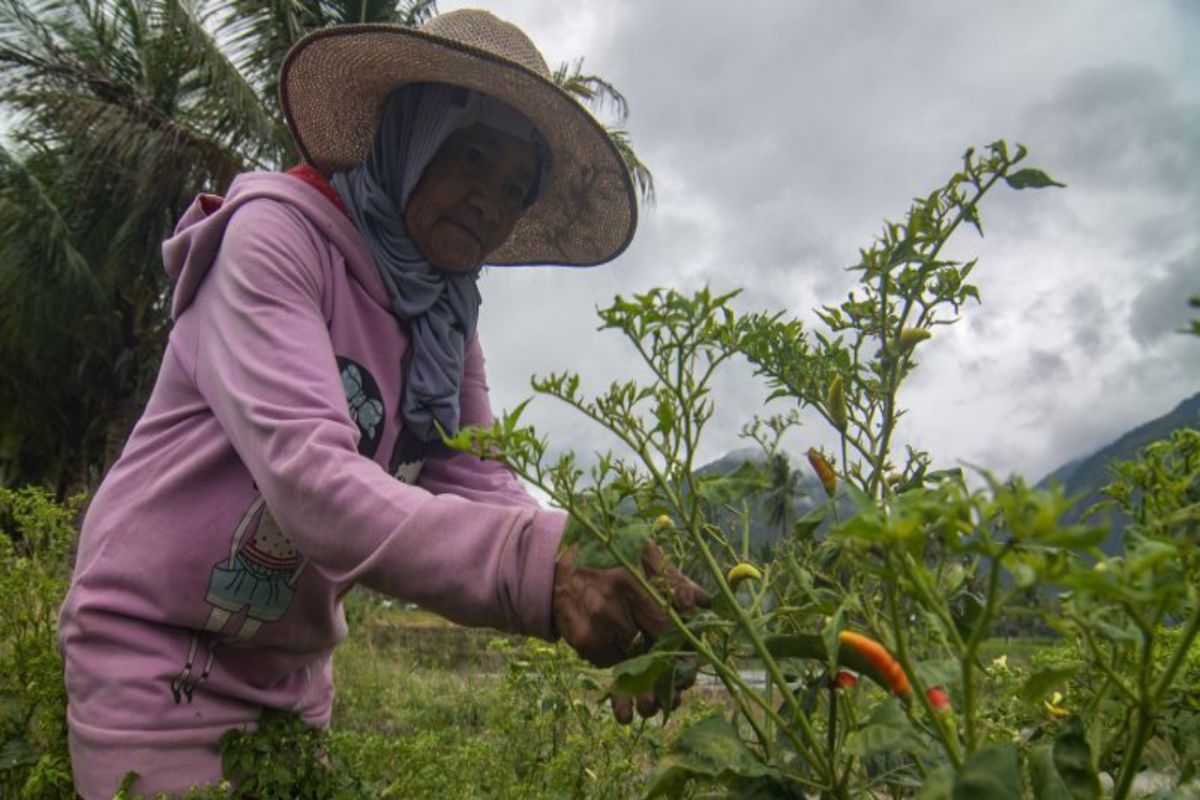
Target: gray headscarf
x,y
441,308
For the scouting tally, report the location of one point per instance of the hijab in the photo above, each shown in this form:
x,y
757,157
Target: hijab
x,y
440,309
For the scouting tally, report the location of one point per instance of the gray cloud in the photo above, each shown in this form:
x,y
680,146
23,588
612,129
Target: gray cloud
x,y
1160,307
1091,320
1046,365
782,134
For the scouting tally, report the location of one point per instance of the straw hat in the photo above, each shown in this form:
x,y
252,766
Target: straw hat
x,y
334,83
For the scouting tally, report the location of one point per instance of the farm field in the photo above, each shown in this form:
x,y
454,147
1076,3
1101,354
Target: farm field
x,y
871,596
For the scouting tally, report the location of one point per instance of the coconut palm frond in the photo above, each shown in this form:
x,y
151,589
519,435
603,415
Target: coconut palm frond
x,y
232,107
257,34
115,129
343,12
643,179
34,234
592,90
415,13
598,94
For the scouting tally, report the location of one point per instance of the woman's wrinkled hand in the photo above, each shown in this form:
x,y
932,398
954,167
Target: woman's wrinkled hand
x,y
608,617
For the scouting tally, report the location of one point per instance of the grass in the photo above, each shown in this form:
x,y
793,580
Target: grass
x,y
426,709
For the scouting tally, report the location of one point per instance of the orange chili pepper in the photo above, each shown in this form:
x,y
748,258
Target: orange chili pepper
x,y
824,472
879,658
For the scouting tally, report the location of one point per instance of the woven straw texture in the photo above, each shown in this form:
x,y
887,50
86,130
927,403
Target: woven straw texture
x,y
334,83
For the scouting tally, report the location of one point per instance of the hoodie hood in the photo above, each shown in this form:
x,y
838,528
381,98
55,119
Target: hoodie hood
x,y
191,250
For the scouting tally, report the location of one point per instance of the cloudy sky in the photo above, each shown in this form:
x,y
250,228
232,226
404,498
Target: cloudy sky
x,y
782,134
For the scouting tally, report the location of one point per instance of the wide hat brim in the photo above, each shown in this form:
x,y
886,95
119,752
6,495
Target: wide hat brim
x,y
333,86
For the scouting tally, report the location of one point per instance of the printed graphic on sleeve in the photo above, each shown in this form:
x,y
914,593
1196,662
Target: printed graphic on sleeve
x,y
408,456
365,402
259,578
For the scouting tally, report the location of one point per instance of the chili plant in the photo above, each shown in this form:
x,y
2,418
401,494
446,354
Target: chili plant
x,y
900,576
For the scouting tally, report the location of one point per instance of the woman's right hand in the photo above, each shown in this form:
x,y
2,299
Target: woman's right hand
x,y
607,616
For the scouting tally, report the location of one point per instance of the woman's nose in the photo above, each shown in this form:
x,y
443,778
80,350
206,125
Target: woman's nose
x,y
486,199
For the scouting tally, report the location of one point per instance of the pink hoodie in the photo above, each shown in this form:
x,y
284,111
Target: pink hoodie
x,y
260,485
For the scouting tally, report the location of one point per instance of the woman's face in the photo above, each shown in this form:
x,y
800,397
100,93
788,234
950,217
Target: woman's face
x,y
470,197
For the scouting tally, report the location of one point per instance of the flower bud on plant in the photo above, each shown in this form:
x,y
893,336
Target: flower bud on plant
x,y
952,579
835,401
824,472
662,522
1054,705
741,572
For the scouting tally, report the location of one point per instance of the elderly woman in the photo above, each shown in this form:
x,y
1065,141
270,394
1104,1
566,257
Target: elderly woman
x,y
325,329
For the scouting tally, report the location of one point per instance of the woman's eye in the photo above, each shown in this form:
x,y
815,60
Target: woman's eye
x,y
515,192
472,156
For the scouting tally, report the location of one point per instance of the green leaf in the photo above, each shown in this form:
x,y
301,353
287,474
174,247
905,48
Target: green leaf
x,y
13,708
865,526
723,490
804,527
1031,178
1073,762
829,637
886,730
1042,682
966,613
639,674
1046,782
938,785
992,773
1078,537
711,749
17,753
796,645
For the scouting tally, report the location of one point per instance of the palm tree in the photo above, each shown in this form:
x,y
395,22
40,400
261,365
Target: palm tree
x,y
122,111
784,487
599,94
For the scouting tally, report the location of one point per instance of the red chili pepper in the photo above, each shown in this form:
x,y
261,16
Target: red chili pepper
x,y
843,680
824,472
939,699
879,658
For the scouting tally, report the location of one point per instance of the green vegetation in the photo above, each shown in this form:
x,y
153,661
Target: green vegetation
x,y
926,566
128,108
36,538
858,662
122,112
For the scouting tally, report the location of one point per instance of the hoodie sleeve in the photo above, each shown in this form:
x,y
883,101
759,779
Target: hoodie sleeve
x,y
266,367
467,475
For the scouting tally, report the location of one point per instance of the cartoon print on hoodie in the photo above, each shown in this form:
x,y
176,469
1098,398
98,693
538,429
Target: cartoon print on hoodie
x,y
260,574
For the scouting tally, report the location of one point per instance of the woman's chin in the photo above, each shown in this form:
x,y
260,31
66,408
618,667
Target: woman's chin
x,y
455,252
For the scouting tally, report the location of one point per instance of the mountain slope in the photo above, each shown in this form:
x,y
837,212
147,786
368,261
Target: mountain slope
x,y
1083,478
